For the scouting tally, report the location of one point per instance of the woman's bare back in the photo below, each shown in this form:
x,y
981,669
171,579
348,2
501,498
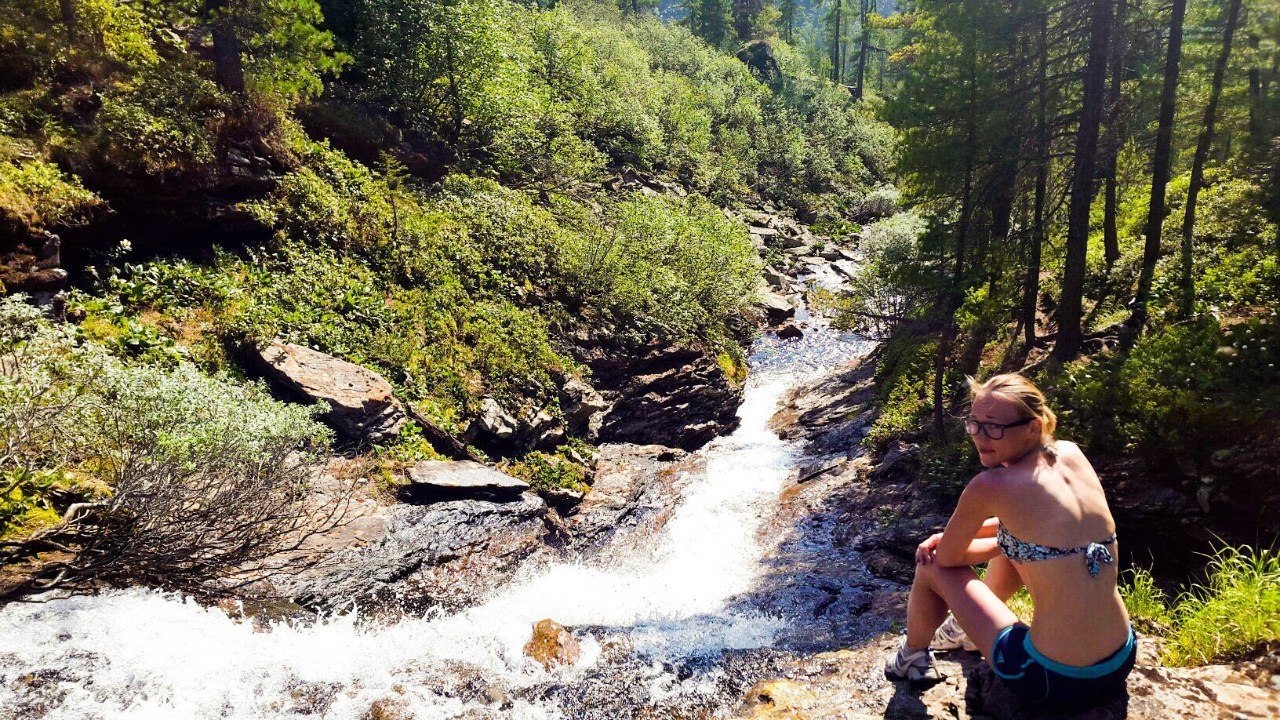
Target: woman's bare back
x,y
1060,503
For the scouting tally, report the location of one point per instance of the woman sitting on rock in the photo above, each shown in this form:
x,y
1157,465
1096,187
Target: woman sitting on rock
x,y
1038,515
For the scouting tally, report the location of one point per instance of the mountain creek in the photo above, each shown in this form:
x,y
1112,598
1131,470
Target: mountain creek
x,y
756,577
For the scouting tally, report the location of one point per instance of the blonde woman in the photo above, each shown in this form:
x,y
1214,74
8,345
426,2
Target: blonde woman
x,y
1037,514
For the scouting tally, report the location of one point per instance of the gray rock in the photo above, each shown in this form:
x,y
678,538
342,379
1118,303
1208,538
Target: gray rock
x,y
495,421
846,268
446,553
776,279
583,407
451,480
361,403
789,331
776,308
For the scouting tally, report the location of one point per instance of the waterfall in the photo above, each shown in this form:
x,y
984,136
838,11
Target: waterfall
x,y
643,614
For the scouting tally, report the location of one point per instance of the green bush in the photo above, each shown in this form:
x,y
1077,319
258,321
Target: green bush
x,y
1197,378
187,476
545,471
674,270
37,194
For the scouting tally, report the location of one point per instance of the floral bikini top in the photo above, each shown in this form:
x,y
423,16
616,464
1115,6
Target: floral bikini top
x,y
1096,554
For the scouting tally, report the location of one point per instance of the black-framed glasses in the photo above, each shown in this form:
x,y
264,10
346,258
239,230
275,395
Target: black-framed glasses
x,y
993,430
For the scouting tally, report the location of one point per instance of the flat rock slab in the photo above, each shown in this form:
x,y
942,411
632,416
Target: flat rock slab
x,y
850,684
362,404
448,554
433,480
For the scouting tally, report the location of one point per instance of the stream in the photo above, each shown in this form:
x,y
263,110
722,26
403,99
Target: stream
x,y
663,626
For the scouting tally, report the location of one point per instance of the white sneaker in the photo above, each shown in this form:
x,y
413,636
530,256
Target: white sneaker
x,y
950,636
914,666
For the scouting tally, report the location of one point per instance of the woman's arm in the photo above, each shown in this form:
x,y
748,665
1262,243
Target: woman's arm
x,y
965,541
989,527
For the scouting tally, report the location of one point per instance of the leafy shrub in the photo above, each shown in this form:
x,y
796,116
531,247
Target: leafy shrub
x,y
199,474
1196,378
674,270
889,289
37,194
161,123
545,471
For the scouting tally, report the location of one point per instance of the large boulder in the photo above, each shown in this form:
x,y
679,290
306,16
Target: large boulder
x,y
678,397
435,480
362,404
777,309
412,556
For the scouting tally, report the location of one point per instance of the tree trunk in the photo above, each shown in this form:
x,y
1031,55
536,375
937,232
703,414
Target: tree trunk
x,y
949,304
836,23
744,18
1115,138
1187,294
1070,308
1159,177
1255,96
862,53
228,68
1032,289
68,8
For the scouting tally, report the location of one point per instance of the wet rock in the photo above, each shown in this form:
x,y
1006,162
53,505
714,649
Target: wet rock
x,y
673,396
847,268
635,488
435,480
776,308
361,403
447,553
789,331
552,645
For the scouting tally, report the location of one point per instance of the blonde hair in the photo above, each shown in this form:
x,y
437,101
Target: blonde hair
x,y
1026,398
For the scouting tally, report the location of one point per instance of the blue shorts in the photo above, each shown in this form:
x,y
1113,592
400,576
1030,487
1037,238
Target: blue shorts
x,y
1035,678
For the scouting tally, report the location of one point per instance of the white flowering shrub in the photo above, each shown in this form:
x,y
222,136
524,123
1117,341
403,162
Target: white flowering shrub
x,y
181,478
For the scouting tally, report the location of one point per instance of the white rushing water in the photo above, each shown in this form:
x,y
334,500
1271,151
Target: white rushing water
x,y
145,654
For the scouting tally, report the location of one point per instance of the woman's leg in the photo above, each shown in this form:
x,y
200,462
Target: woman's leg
x,y
936,589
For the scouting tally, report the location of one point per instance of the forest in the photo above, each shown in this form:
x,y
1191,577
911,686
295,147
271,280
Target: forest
x,y
479,199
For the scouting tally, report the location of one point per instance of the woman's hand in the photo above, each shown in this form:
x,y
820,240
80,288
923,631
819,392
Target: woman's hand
x,y
925,550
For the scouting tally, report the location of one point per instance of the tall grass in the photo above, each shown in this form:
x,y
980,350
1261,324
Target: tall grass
x,y
1235,611
1232,613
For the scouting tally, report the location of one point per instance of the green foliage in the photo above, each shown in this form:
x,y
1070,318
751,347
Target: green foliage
x,y
409,446
36,194
891,287
74,415
1146,603
1234,613
1199,378
545,471
670,269
552,97
903,412
160,122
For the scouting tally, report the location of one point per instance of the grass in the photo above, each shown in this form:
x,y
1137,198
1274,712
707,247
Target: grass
x,y
1229,616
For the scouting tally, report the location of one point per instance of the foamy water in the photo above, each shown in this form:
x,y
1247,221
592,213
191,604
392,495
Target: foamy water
x,y
144,654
